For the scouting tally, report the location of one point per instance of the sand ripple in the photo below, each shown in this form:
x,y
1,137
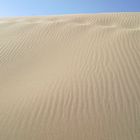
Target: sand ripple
x,y
72,77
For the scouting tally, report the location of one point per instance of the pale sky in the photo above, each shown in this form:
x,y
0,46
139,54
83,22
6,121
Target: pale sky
x,y
55,7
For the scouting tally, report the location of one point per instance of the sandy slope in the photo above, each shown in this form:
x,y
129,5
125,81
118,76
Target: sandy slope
x,y
72,77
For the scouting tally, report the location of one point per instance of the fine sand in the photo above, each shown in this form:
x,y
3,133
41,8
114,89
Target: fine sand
x,y
71,77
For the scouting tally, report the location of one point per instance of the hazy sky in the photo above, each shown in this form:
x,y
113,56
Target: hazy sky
x,y
54,7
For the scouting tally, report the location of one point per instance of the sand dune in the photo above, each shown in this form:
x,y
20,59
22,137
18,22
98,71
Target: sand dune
x,y
72,77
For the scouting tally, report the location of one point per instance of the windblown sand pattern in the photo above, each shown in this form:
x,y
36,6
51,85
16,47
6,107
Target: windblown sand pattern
x,y
72,77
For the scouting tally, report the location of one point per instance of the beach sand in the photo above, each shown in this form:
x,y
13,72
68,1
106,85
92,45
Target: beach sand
x,y
70,77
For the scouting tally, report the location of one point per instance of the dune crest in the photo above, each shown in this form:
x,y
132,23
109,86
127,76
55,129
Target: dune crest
x,y
72,77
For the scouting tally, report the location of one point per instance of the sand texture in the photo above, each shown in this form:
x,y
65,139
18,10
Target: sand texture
x,y
71,77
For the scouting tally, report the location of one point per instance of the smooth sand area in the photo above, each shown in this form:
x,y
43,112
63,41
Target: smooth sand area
x,y
71,77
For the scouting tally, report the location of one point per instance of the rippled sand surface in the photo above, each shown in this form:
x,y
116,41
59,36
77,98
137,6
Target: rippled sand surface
x,y
72,77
